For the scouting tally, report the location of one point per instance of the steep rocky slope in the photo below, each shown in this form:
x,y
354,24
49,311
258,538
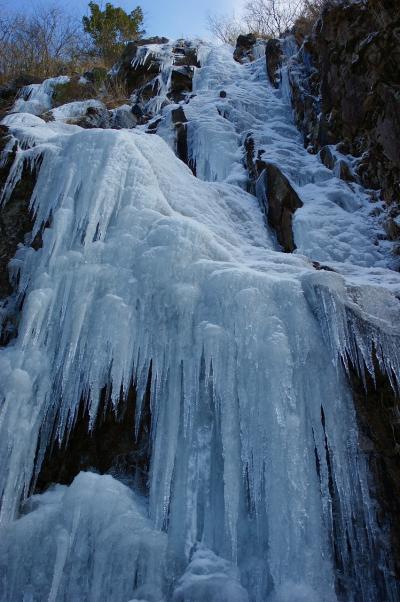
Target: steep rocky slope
x,y
345,84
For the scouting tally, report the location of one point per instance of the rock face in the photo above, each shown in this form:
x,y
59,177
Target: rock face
x,y
346,87
244,48
358,50
144,72
280,202
179,120
273,54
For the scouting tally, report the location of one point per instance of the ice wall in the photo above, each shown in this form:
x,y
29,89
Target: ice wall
x,y
257,487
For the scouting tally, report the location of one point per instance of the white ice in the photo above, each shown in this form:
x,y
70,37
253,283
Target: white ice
x,y
63,542
36,98
72,110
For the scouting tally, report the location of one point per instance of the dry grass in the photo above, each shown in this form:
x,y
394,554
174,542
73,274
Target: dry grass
x,y
114,92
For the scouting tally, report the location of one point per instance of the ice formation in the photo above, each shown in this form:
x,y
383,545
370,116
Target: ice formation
x,y
257,487
36,98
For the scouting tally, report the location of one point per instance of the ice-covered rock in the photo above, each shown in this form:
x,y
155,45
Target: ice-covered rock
x,y
89,541
209,578
36,98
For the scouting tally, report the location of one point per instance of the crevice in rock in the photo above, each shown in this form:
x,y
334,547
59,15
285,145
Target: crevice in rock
x,y
179,121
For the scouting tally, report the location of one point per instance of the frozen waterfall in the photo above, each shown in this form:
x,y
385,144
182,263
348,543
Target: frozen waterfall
x,y
257,489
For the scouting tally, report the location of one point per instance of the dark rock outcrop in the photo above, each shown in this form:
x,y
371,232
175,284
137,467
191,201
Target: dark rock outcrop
x,y
275,194
243,52
10,90
346,87
142,76
273,54
179,121
358,49
136,74
181,82
280,201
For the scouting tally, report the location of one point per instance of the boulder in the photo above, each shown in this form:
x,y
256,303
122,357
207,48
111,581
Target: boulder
x,y
280,201
244,47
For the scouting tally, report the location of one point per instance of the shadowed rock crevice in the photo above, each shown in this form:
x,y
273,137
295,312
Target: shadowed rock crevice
x,y
179,121
109,447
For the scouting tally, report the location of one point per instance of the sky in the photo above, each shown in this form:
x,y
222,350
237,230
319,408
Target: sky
x,y
170,18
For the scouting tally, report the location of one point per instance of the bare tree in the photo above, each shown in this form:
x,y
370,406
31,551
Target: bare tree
x,y
268,18
271,18
224,28
40,43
